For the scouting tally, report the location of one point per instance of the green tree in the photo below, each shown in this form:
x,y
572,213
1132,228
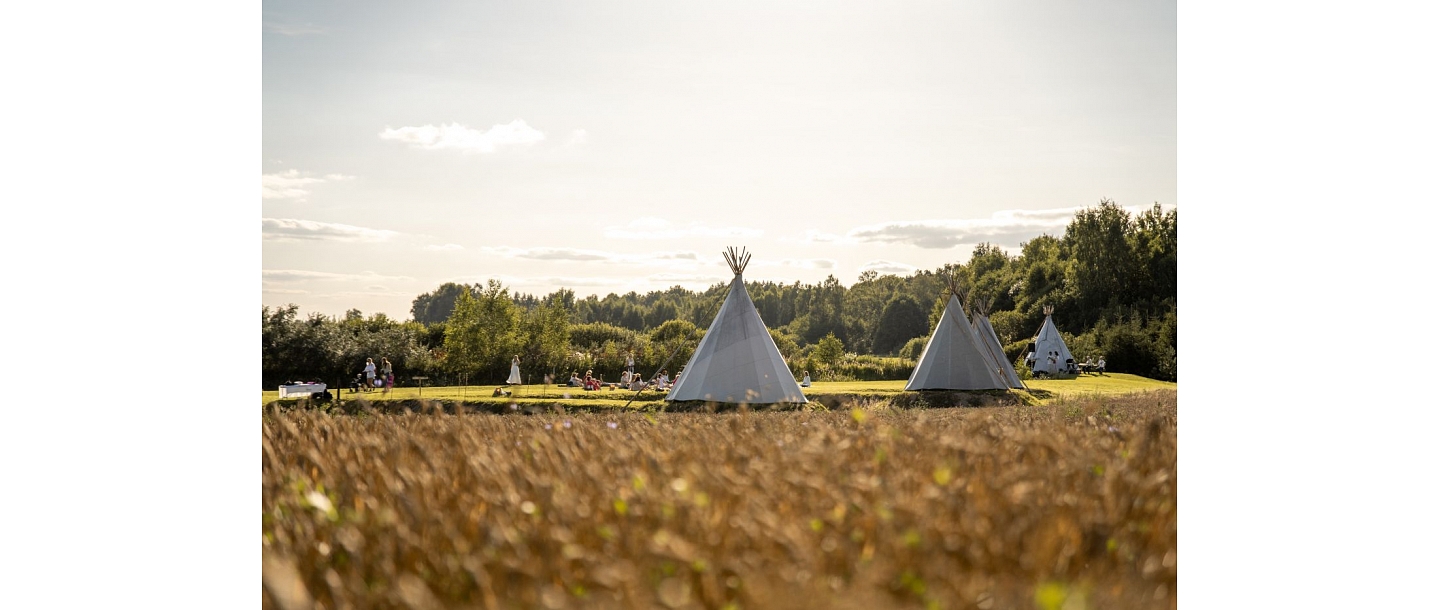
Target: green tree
x,y
1156,243
481,333
903,319
1102,263
829,349
546,334
435,306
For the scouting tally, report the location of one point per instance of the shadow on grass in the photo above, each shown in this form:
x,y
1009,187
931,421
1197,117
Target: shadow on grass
x,y
929,399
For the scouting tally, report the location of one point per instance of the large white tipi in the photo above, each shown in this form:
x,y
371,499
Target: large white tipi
x,y
955,358
737,361
980,321
1046,341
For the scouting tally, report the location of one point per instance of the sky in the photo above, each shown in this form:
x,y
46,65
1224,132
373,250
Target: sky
x,y
618,146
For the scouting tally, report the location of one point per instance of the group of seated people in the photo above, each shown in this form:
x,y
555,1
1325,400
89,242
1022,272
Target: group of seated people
x,y
631,381
1069,367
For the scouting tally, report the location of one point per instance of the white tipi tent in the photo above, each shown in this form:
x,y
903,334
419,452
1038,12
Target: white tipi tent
x,y
980,321
955,357
737,361
1046,341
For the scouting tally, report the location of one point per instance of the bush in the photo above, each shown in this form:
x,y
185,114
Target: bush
x,y
595,334
829,350
913,348
856,368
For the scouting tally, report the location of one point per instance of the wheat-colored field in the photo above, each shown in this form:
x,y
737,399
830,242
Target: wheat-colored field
x,y
1067,505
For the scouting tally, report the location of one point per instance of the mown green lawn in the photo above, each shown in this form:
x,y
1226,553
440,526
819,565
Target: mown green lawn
x,y
1048,389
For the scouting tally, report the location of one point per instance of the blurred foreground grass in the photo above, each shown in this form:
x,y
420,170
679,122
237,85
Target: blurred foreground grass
x,y
1065,505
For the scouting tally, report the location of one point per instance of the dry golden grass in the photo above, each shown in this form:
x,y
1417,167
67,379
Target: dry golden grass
x,y
1067,505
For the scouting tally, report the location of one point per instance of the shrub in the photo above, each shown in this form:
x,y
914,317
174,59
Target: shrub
x,y
913,348
829,349
596,334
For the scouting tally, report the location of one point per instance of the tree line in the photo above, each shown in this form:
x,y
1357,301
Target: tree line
x,y
1112,277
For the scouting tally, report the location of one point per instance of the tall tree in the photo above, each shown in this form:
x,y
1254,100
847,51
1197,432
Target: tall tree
x,y
903,319
1102,266
482,331
435,306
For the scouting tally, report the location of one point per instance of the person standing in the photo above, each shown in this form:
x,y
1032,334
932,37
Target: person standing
x,y
630,362
369,374
514,371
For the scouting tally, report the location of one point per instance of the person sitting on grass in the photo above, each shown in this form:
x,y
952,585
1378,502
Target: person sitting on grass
x,y
637,383
591,383
625,379
574,380
805,383
500,392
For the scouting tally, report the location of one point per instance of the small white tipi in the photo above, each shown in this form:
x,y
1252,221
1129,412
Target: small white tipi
x,y
737,361
980,321
955,358
1046,341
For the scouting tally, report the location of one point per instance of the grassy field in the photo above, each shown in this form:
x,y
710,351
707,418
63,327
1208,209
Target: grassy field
x,y
1043,390
1063,505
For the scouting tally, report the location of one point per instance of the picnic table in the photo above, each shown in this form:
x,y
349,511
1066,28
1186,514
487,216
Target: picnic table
x,y
1086,367
301,390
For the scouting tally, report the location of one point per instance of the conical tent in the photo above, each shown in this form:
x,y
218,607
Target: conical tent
x,y
954,357
980,321
737,361
1046,341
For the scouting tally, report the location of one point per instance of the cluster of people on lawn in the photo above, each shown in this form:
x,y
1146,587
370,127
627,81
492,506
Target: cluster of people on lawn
x,y
629,380
382,376
1069,367
373,377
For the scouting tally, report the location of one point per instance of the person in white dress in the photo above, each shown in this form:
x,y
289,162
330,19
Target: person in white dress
x,y
369,374
514,372
805,383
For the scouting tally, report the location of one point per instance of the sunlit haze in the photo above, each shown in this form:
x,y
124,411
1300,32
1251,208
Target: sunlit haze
x,y
618,146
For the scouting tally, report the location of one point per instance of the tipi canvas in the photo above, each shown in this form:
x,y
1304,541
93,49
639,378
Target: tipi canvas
x,y
737,361
1046,341
980,321
954,357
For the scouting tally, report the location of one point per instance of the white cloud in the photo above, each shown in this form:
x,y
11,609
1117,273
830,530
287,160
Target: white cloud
x,y
302,275
670,279
293,184
884,267
445,248
293,229
801,263
813,236
1006,227
580,255
658,228
350,294
460,137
